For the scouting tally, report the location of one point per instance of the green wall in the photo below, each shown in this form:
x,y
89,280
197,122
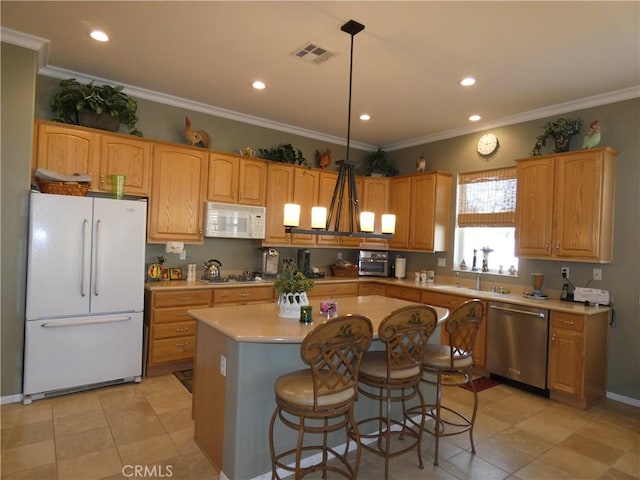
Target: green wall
x,y
620,125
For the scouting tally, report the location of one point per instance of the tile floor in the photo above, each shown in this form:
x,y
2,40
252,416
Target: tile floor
x,y
105,433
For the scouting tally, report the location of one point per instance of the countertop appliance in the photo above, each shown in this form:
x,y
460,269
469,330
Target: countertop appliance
x,y
85,293
228,220
270,257
517,339
373,263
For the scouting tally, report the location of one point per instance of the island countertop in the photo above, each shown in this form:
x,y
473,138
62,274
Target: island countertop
x,y
260,322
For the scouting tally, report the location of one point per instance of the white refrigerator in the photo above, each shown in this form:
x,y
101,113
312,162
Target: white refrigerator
x,y
85,293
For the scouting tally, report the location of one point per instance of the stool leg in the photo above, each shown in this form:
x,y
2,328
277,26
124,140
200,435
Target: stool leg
x,y
423,412
387,436
299,446
473,415
356,435
324,449
437,425
272,449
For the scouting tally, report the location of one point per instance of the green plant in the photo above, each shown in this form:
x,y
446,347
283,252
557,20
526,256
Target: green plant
x,y
284,153
378,162
74,96
561,130
292,280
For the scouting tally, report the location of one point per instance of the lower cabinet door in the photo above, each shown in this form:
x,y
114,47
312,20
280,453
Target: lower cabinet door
x,y
173,349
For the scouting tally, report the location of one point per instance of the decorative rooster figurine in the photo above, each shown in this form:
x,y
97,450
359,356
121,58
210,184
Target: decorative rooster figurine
x,y
198,138
592,138
421,163
323,159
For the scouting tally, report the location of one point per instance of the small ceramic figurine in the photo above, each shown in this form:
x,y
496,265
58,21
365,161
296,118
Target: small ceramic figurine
x,y
247,152
421,163
512,270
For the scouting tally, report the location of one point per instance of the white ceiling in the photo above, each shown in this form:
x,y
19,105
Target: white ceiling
x,y
531,59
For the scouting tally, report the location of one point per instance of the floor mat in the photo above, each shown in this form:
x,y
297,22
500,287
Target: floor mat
x,y
186,378
482,383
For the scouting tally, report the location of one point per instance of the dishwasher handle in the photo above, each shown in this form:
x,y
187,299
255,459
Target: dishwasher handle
x,y
517,310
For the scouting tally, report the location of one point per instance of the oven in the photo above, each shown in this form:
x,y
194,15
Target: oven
x,y
373,263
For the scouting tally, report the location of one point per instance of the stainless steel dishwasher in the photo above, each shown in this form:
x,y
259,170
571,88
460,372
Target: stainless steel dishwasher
x,y
517,339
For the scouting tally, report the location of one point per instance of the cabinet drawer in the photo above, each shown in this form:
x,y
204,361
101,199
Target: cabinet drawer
x,y
403,293
443,300
167,315
240,295
567,321
182,297
365,289
177,329
173,349
334,290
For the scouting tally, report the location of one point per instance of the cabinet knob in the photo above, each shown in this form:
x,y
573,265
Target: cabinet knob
x,y
184,329
184,344
567,323
553,337
102,180
558,245
184,299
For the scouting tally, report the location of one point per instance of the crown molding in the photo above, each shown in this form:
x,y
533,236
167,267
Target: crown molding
x,y
549,111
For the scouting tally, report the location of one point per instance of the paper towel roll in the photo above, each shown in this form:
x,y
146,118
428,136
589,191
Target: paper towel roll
x,y
401,267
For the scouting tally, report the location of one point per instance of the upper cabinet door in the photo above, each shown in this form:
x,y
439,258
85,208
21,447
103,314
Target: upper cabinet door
x,y
129,157
376,200
252,182
400,206
305,194
68,150
280,178
178,193
223,178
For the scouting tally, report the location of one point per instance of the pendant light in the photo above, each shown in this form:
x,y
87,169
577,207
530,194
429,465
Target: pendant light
x,y
323,222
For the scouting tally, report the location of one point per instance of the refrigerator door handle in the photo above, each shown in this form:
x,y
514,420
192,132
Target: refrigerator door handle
x,y
76,323
97,264
86,250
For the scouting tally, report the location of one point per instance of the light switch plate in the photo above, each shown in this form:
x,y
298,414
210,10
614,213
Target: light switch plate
x,y
442,262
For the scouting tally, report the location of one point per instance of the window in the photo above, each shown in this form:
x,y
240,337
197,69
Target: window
x,y
486,219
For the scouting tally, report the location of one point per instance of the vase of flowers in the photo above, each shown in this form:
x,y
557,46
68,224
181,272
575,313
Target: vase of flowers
x,y
560,130
292,286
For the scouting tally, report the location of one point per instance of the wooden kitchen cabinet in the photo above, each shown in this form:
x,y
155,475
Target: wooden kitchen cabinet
x,y
290,184
178,193
451,302
334,290
421,203
375,198
565,206
70,149
242,295
235,179
126,156
170,329
577,366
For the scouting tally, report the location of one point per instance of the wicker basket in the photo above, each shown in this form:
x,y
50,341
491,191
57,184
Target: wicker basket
x,y
64,188
344,271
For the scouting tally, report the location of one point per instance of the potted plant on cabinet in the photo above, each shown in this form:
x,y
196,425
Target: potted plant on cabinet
x,y
560,130
285,153
98,106
292,286
379,164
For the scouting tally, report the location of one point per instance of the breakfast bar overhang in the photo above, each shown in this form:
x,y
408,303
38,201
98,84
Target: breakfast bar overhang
x,y
240,352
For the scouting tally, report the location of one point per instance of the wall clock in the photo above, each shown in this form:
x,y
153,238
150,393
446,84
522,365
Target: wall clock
x,y
487,144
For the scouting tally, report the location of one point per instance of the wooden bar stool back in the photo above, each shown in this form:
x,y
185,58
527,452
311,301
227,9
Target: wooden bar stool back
x,y
320,399
393,375
451,365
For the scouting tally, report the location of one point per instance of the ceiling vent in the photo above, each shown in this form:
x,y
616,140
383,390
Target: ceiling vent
x,y
312,53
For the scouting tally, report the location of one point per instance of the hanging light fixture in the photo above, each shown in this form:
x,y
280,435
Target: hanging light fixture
x,y
323,222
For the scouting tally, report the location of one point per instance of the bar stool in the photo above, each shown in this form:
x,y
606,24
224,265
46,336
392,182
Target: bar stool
x,y
447,365
320,399
393,375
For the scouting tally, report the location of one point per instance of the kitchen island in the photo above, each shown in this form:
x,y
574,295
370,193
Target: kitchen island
x,y
240,352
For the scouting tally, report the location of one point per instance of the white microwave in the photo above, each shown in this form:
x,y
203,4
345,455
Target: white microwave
x,y
227,220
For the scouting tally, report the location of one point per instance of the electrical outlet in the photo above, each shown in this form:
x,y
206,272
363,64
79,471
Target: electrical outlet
x,y
442,262
223,365
597,274
564,271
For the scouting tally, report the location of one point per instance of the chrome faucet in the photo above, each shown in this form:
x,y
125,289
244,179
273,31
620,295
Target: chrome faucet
x,y
478,281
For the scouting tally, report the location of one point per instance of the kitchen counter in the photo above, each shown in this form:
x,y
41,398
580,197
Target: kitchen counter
x,y
554,304
240,352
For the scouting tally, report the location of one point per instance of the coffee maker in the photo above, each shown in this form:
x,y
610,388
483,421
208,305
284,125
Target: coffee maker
x,y
270,257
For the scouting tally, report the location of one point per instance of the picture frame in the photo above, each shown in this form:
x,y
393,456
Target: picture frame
x,y
165,274
175,274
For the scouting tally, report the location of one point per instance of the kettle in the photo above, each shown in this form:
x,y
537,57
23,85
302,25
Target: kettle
x,y
212,269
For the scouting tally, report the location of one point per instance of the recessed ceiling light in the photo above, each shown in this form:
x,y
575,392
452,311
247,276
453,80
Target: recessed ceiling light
x,y
475,118
468,81
365,117
258,85
99,35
